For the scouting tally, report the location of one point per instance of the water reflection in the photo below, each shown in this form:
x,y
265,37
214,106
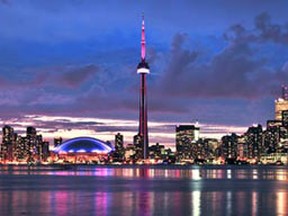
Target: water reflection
x,y
254,203
142,203
196,202
229,203
255,174
195,173
145,191
282,203
229,176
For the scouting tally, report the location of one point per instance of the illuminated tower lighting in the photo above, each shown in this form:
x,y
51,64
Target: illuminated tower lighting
x,y
285,92
143,70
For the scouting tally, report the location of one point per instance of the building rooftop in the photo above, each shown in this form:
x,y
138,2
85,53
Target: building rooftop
x,y
83,145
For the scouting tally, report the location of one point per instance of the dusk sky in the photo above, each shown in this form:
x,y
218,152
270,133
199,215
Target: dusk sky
x,y
68,68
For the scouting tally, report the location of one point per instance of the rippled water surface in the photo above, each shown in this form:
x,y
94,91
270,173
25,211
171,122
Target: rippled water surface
x,y
142,190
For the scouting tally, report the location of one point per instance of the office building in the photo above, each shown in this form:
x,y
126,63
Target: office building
x,y
186,141
281,104
119,147
254,141
229,146
8,145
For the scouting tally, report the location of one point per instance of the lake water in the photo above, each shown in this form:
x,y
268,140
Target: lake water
x,y
144,190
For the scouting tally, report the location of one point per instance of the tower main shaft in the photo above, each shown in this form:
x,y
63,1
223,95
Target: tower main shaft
x,y
143,69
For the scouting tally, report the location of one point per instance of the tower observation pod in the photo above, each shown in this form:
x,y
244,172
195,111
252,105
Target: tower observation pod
x,y
143,66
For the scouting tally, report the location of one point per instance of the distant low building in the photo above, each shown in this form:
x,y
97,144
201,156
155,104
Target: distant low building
x,y
57,141
156,151
130,152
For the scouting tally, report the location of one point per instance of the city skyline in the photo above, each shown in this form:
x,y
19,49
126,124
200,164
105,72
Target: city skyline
x,y
71,71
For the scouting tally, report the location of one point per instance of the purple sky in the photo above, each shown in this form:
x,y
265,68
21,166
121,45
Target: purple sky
x,y
221,62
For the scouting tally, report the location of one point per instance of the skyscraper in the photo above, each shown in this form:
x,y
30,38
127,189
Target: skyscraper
x,y
186,138
8,146
281,104
271,139
254,141
119,145
31,137
285,118
229,145
143,70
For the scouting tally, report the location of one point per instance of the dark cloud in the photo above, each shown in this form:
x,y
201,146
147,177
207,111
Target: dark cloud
x,y
109,85
264,31
269,31
59,124
57,76
116,129
181,60
77,76
5,1
239,70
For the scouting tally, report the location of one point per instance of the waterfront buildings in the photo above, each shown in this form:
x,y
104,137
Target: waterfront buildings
x,y
256,145
19,148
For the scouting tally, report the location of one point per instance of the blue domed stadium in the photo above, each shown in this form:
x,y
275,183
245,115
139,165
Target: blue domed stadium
x,y
83,145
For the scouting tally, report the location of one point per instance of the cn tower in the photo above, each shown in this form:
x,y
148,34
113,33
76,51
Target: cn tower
x,y
143,70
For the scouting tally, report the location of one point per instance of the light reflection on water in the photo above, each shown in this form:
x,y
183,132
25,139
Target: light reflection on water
x,y
145,191
254,203
195,173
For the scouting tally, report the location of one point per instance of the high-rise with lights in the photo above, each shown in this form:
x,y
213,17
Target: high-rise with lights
x,y
254,140
119,146
8,143
186,141
143,70
281,104
229,146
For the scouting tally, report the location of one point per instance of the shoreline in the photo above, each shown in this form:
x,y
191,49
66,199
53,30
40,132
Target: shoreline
x,y
149,166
